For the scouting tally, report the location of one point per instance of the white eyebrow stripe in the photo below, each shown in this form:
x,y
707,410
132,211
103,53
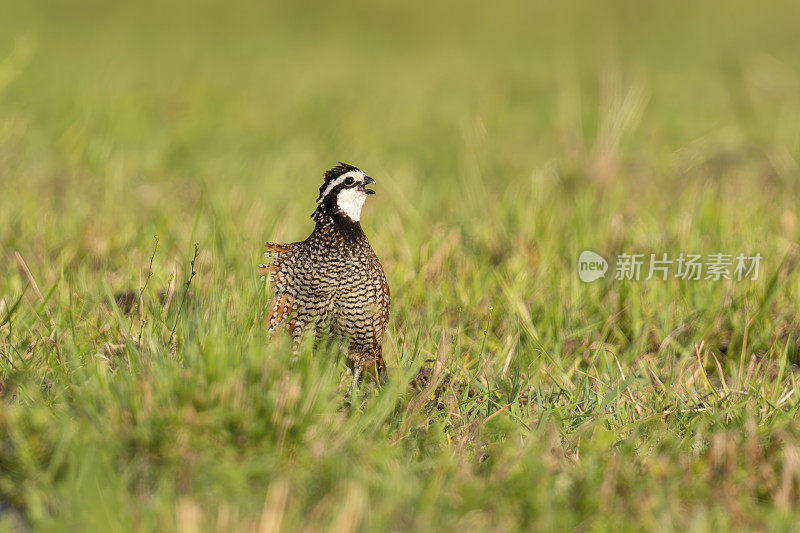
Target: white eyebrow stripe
x,y
337,181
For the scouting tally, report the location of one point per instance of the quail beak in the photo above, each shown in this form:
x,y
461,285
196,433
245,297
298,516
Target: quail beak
x,y
367,181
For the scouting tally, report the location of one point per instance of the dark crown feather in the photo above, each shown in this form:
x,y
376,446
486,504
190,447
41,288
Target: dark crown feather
x,y
338,170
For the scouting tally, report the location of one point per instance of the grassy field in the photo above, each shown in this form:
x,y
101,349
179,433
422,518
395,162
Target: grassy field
x,y
152,147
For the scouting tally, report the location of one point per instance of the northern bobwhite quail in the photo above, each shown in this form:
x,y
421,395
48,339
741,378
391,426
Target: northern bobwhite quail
x,y
333,279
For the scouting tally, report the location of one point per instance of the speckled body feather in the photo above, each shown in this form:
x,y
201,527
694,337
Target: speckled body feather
x,y
332,279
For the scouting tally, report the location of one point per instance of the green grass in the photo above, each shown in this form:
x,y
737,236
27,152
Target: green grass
x,y
505,140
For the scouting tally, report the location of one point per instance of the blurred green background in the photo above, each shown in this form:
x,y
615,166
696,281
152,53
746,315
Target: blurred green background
x,y
505,139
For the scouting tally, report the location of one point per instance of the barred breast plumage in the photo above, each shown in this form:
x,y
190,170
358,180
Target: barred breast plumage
x,y
333,278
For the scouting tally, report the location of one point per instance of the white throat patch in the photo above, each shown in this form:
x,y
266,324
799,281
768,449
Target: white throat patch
x,y
350,201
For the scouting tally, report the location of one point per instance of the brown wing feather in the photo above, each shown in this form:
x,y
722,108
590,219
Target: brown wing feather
x,y
279,248
280,308
283,303
278,252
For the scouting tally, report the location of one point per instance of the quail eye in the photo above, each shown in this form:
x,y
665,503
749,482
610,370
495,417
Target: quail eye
x,y
349,181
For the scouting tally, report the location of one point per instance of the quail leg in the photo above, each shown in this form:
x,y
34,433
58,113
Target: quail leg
x,y
353,384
